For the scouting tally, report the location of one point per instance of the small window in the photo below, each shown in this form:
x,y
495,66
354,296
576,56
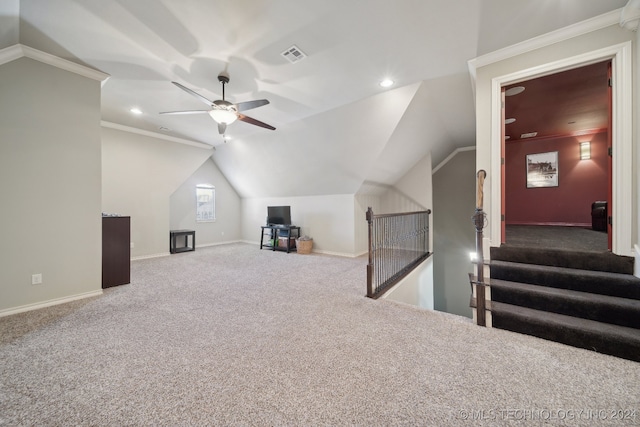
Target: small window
x,y
205,203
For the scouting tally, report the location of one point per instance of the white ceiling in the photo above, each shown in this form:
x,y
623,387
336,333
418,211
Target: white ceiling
x,y
336,128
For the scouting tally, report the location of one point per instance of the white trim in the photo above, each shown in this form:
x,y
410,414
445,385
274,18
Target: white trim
x,y
155,135
630,16
584,27
49,303
621,56
11,53
228,242
158,255
18,51
451,156
341,254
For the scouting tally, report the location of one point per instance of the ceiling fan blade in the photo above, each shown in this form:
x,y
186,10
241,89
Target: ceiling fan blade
x,y
197,95
253,121
248,105
185,112
222,127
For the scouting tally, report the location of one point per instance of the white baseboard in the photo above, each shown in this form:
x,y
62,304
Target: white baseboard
x,y
317,251
161,254
636,265
56,301
137,258
228,242
342,254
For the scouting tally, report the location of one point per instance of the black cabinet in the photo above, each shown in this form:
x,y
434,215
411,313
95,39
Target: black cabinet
x,y
279,237
116,250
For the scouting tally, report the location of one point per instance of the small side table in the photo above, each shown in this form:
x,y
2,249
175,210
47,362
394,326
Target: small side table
x,y
174,234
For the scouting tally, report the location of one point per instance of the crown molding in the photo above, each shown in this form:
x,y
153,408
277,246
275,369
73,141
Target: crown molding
x,y
451,156
630,16
18,51
584,27
156,135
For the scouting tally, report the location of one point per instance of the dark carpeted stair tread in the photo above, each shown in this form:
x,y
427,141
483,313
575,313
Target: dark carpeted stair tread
x,y
601,337
597,261
602,308
599,282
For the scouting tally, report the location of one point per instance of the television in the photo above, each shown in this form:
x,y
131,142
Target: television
x,y
278,215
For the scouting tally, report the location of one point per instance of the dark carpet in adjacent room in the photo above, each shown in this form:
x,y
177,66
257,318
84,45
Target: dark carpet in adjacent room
x,y
557,237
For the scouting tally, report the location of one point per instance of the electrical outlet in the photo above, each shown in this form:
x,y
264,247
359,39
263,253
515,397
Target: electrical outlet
x,y
36,279
223,233
131,245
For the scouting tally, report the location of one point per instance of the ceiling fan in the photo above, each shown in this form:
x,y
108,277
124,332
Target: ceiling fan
x,y
222,111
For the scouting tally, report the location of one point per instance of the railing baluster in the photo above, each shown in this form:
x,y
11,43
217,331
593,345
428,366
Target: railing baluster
x,y
397,244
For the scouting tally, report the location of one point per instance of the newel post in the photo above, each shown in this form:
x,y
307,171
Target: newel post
x,y
370,264
479,220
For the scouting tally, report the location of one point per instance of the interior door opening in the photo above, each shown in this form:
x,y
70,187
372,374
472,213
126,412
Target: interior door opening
x,y
556,140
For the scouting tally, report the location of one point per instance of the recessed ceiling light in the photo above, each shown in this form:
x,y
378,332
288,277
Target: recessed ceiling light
x,y
386,83
514,91
136,110
509,121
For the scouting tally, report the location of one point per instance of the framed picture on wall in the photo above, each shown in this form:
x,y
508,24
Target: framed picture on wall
x,y
542,170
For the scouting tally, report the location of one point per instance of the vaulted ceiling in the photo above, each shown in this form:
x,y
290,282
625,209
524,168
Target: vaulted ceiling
x,y
336,128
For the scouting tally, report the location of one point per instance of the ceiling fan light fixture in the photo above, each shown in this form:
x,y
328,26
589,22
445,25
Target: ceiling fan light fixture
x,y
223,116
223,112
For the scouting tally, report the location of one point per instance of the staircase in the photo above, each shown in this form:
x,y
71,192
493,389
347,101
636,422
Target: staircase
x,y
584,299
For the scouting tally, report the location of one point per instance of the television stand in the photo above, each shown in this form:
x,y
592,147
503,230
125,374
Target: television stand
x,y
274,232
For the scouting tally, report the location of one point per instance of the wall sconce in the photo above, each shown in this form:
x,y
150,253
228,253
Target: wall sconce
x,y
585,150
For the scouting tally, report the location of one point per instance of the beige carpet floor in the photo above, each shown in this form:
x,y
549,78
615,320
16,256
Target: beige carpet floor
x,y
231,335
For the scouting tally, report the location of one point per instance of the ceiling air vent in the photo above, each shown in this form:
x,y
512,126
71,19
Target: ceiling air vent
x,y
528,135
294,54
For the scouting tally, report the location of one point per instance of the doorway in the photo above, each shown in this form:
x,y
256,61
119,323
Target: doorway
x,y
622,198
556,171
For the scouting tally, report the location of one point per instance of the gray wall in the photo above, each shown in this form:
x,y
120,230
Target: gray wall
x,y
454,186
226,227
140,173
49,184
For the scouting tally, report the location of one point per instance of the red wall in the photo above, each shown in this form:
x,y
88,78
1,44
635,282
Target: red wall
x,y
580,182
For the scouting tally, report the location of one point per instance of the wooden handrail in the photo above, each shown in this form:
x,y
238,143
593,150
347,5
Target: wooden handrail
x,y
428,211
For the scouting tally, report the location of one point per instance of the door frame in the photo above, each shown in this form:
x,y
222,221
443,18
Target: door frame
x,y
622,174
